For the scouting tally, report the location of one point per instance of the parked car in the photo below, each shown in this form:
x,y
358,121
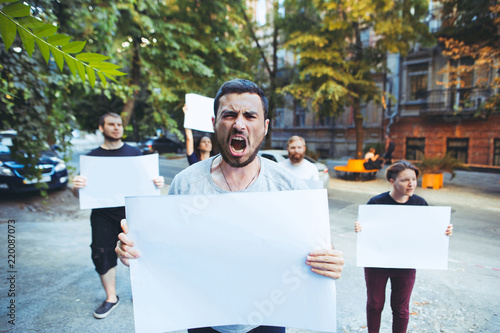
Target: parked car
x,y
277,155
13,174
160,146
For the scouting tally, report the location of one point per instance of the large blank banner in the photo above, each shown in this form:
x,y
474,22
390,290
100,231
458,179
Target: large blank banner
x,y
403,236
110,179
236,258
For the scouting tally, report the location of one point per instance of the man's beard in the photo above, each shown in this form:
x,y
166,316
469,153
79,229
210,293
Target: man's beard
x,y
296,158
226,156
109,138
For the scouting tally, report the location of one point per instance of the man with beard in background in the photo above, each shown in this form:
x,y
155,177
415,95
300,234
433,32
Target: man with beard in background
x,y
296,162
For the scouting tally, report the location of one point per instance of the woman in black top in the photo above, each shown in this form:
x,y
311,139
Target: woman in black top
x,y
402,175
200,150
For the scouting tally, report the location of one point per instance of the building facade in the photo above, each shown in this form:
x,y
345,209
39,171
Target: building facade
x,y
437,118
429,115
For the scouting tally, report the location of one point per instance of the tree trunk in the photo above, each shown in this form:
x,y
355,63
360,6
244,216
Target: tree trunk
x,y
135,76
271,71
272,88
360,132
358,117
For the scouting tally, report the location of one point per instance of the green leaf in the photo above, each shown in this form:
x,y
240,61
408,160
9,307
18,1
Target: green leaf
x,y
28,41
73,47
91,74
81,70
71,63
103,79
58,57
110,77
17,10
5,1
58,39
91,57
8,31
30,22
105,66
44,49
45,30
113,72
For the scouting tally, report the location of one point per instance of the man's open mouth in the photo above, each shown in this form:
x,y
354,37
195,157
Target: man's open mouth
x,y
238,144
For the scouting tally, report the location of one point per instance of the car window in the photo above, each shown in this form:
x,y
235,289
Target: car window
x,y
269,157
310,159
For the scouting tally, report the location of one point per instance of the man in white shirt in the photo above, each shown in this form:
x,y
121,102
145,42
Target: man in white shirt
x,y
296,163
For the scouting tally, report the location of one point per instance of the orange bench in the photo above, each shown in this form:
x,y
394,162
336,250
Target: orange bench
x,y
354,168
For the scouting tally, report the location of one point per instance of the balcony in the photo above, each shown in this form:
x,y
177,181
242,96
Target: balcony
x,y
441,101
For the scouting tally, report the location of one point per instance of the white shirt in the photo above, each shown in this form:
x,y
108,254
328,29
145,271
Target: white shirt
x,y
369,155
304,169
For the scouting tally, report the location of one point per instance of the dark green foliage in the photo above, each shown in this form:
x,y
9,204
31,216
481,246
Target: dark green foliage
x,y
440,164
471,21
167,49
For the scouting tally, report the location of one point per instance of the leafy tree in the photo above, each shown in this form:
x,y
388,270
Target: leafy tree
x,y
34,84
169,49
472,22
27,107
336,65
33,31
470,39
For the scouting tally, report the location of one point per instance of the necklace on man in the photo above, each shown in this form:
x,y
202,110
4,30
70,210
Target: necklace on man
x,y
227,183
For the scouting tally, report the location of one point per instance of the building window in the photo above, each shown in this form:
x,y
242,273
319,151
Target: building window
x,y
415,149
496,153
365,38
323,153
465,82
279,118
325,121
299,119
458,148
417,81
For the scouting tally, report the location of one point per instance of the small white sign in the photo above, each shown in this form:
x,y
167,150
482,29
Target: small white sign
x,y
200,110
403,236
111,179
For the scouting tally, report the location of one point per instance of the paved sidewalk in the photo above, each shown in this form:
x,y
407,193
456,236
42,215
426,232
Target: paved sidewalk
x,y
57,289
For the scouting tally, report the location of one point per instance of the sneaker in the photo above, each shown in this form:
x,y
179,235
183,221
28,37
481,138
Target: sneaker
x,y
105,309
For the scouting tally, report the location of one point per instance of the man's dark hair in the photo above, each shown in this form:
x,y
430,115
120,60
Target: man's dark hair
x,y
393,171
109,114
240,86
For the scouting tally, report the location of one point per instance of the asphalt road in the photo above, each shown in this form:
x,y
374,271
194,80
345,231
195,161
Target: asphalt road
x,y
56,288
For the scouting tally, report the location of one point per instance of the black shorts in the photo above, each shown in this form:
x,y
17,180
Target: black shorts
x,y
105,225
